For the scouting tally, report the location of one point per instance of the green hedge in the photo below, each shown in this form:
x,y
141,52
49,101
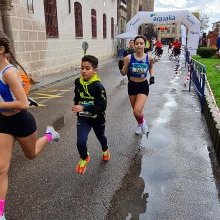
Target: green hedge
x,y
206,52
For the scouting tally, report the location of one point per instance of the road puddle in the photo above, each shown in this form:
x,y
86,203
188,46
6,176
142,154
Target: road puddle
x,y
130,200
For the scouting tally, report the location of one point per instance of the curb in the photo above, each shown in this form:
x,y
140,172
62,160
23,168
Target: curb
x,y
61,79
213,122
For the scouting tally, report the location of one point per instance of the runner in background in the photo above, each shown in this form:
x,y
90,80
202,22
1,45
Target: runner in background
x,y
130,48
176,47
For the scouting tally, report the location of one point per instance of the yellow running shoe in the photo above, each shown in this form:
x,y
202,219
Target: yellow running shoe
x,y
81,166
106,155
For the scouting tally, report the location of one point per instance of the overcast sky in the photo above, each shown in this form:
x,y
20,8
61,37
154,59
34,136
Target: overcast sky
x,y
210,7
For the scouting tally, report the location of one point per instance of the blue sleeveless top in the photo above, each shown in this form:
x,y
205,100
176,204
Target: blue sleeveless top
x,y
6,94
138,68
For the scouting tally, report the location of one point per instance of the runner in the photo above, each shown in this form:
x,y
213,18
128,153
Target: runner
x,y
176,47
158,48
137,66
130,48
16,123
90,104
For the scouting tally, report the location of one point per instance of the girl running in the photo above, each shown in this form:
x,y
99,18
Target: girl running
x,y
137,66
16,123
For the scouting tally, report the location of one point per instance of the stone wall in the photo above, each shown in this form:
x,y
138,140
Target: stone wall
x,y
212,117
41,55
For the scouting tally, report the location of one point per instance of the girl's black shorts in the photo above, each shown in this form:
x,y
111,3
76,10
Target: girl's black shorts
x,y
21,124
135,88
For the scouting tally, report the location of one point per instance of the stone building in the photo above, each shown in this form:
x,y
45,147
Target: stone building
x,y
47,35
213,34
216,26
128,9
138,5
168,32
122,16
147,5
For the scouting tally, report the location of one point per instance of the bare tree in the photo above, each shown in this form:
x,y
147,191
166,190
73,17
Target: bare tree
x,y
203,18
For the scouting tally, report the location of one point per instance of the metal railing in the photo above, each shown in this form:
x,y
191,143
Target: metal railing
x,y
197,77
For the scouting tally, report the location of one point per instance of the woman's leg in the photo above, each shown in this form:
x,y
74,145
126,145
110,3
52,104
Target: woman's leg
x,y
6,148
132,100
138,114
32,146
138,106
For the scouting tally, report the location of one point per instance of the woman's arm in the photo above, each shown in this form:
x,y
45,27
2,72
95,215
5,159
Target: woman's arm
x,y
124,70
151,70
12,80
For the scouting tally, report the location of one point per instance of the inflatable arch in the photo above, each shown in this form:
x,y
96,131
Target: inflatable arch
x,y
181,16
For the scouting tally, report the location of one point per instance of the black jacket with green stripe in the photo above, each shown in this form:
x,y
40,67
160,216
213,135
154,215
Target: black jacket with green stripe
x,y
92,95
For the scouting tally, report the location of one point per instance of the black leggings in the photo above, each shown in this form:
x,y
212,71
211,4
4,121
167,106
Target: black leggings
x,y
83,129
21,124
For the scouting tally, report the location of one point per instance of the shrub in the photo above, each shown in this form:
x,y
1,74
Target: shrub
x,y
206,52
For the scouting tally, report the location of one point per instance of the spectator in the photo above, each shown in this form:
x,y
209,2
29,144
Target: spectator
x,y
218,43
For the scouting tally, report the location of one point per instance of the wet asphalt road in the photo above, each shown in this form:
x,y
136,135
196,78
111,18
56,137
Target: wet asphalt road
x,y
167,176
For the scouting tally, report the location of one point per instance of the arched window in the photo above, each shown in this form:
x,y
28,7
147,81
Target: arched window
x,y
104,27
78,19
30,6
50,10
112,28
94,23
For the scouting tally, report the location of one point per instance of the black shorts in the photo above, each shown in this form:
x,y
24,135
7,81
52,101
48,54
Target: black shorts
x,y
135,88
21,124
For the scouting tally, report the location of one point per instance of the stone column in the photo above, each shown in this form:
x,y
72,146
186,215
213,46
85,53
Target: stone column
x,y
5,7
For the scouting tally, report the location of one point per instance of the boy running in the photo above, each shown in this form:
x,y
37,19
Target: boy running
x,y
90,104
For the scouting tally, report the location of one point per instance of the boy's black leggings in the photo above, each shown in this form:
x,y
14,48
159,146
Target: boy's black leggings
x,y
83,129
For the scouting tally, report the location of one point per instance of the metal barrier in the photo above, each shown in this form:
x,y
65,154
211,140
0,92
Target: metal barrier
x,y
187,56
198,79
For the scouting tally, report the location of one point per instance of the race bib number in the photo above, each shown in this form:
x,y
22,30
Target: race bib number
x,y
140,68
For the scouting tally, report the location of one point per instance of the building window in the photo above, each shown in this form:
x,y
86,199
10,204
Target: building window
x,y
78,19
112,28
69,4
140,8
93,23
50,10
30,6
104,27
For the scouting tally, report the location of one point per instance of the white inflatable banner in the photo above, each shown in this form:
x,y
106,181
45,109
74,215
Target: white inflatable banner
x,y
183,34
181,16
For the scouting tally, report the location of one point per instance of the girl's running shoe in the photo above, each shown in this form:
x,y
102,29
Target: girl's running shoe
x,y
138,129
55,134
106,155
2,217
81,166
144,128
